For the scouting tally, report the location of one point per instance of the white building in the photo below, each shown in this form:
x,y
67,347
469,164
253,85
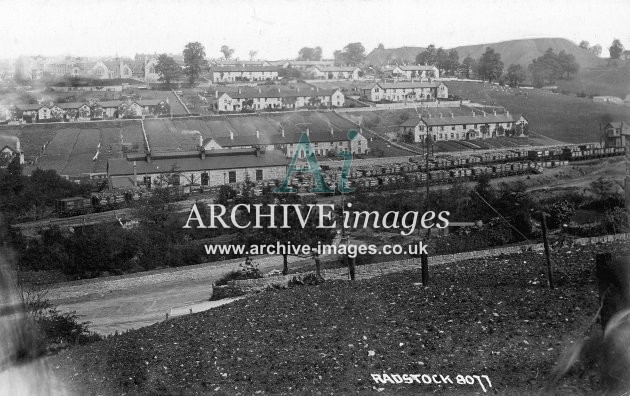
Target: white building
x,y
447,126
420,72
277,98
405,91
243,73
335,73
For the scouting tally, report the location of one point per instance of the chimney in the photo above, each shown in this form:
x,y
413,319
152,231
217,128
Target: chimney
x,y
484,113
148,156
473,113
239,91
231,135
308,132
440,115
507,113
452,115
298,89
494,112
259,90
282,131
257,134
332,132
203,153
278,90
216,94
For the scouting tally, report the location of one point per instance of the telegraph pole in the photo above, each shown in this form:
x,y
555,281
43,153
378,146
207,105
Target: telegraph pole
x,y
424,258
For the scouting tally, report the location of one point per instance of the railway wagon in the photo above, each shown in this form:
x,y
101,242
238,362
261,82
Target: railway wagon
x,y
73,206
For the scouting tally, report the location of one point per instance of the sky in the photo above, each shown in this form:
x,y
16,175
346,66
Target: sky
x,y
277,29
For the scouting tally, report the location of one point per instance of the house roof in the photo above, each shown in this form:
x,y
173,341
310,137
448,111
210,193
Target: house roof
x,y
244,68
462,120
406,85
312,63
279,93
336,68
192,161
625,127
415,67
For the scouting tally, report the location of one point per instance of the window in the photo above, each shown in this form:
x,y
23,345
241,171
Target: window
x,y
232,177
452,135
475,126
205,179
259,174
453,128
430,129
441,128
464,126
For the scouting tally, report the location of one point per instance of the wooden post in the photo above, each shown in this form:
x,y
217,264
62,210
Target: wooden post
x,y
547,253
351,267
424,259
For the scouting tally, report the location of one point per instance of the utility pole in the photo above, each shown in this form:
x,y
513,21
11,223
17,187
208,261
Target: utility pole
x,y
424,258
626,188
547,253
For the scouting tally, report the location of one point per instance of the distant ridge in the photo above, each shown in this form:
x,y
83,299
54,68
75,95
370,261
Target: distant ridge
x,y
513,51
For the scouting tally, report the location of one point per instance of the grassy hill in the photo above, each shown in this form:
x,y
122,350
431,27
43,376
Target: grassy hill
x,y
561,117
613,80
524,51
512,51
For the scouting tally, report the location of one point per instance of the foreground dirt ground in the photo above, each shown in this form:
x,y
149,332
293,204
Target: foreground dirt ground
x,y
493,317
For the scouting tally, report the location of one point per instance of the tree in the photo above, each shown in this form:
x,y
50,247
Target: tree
x,y
167,69
227,51
568,63
352,54
615,49
515,75
490,65
428,56
252,54
584,44
469,65
310,54
195,60
596,50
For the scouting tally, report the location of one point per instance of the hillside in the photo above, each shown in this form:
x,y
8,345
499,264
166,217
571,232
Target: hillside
x,y
523,51
512,51
613,81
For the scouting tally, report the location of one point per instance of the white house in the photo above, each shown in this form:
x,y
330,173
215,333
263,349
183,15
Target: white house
x,y
277,97
447,126
304,65
421,72
405,91
335,73
9,148
243,73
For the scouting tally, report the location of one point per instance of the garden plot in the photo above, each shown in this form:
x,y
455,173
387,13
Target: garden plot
x,y
58,151
81,159
159,136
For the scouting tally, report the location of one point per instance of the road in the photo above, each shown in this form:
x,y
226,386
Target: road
x,y
129,302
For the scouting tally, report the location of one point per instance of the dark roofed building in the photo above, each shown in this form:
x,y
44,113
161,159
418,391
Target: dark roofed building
x,y
197,168
243,73
617,133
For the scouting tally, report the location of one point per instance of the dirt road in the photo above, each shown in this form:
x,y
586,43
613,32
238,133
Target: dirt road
x,y
129,302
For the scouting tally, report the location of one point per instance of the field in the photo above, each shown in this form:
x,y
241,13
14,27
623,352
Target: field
x,y
561,117
70,148
613,81
502,321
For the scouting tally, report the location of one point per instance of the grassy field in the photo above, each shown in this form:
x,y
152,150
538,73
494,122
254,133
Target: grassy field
x,y
562,117
611,80
491,317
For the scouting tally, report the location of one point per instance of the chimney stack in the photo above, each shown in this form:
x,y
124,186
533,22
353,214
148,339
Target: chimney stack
x,y
282,131
216,94
332,132
507,113
440,115
308,131
484,113
231,135
259,90
203,153
239,91
257,134
148,156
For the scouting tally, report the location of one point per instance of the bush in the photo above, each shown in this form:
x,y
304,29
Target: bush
x,y
225,291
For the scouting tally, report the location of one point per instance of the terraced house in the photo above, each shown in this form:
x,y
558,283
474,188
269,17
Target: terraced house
x,y
229,74
277,98
88,111
335,73
405,91
420,72
447,126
